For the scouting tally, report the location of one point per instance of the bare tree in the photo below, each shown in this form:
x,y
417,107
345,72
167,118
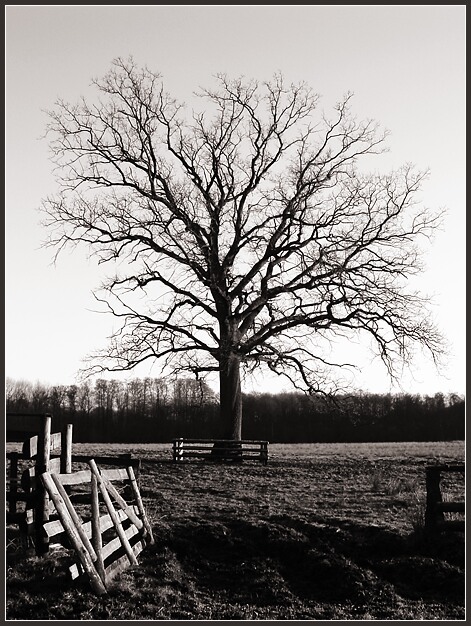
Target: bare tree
x,y
245,235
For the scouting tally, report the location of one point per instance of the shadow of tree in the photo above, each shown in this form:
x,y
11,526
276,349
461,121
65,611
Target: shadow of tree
x,y
278,559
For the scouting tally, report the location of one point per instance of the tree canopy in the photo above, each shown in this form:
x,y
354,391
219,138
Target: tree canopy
x,y
244,233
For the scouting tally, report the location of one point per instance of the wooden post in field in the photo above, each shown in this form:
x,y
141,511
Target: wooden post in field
x,y
66,450
178,449
96,530
264,451
13,488
42,498
140,505
434,496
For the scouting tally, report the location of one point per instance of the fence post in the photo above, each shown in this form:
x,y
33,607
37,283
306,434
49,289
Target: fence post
x,y
434,495
13,488
264,451
66,450
42,497
96,530
178,449
140,505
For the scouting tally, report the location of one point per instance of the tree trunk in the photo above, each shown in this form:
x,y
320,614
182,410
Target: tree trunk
x,y
230,397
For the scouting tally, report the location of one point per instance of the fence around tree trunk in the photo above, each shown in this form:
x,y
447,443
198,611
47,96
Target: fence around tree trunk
x,y
220,449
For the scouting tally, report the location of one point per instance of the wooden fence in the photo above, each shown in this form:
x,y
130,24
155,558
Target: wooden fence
x,y
100,561
436,507
47,452
220,449
42,451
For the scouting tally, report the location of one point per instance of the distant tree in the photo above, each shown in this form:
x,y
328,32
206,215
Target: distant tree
x,y
243,235
160,394
57,399
121,399
85,398
100,393
136,396
72,391
40,398
18,395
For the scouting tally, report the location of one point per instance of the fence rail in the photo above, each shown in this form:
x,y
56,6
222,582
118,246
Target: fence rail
x,y
436,507
220,449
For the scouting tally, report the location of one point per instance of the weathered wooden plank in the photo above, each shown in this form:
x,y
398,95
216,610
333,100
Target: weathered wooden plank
x,y
186,454
111,510
83,477
140,505
115,474
96,530
55,527
30,446
73,535
113,568
106,522
28,477
121,564
76,478
230,441
435,507
221,455
220,449
115,544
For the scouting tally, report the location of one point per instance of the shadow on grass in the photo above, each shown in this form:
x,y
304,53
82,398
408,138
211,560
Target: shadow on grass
x,y
279,559
276,568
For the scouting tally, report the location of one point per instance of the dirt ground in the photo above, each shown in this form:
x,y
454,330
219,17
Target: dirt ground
x,y
324,531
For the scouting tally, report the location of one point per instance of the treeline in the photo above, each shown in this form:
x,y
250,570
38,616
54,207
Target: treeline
x,y
158,410
363,417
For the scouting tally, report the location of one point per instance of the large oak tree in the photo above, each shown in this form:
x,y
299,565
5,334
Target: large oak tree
x,y
241,234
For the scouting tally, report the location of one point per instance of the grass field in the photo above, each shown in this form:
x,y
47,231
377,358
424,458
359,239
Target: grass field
x,y
324,531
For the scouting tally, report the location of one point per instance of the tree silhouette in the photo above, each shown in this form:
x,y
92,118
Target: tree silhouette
x,y
243,235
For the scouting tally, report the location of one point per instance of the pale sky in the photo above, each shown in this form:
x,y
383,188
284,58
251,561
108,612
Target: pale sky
x,y
405,65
